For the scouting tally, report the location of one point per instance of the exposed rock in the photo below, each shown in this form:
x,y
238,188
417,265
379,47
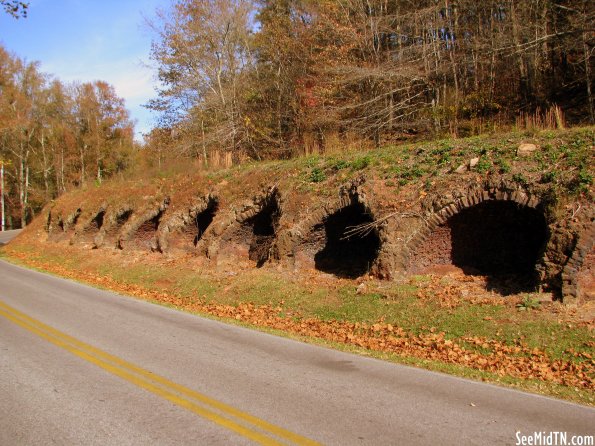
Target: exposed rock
x,y
473,162
461,169
526,149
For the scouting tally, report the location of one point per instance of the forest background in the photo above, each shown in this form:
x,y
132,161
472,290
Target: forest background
x,y
240,80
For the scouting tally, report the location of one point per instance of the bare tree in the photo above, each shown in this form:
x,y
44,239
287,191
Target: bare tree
x,y
202,52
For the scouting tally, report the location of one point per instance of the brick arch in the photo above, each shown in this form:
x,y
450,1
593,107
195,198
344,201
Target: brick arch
x,y
317,242
577,274
303,229
62,228
114,220
492,232
183,230
48,222
468,200
140,231
251,210
248,232
87,232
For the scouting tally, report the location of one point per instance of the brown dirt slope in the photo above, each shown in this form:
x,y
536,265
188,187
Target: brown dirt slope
x,y
483,205
445,254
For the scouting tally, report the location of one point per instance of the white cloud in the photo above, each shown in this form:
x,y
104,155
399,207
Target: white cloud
x,y
135,84
131,78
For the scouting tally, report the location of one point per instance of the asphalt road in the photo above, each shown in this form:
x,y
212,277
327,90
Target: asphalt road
x,y
6,236
89,367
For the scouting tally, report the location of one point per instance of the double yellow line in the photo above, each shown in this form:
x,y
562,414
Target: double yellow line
x,y
224,415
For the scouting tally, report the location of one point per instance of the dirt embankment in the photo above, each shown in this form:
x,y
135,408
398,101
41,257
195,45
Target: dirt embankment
x,y
520,213
448,252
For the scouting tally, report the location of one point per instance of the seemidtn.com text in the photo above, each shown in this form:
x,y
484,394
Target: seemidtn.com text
x,y
553,439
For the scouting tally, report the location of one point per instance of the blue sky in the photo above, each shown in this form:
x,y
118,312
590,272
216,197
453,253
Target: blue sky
x,y
86,40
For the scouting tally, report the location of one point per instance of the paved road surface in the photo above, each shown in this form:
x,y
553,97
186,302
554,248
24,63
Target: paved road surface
x,y
6,236
83,366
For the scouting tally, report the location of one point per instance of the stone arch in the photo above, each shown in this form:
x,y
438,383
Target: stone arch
x,y
140,233
330,241
114,220
184,230
251,232
91,228
578,274
60,228
493,232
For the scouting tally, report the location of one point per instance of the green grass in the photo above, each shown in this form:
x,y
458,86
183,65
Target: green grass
x,y
565,156
394,303
564,162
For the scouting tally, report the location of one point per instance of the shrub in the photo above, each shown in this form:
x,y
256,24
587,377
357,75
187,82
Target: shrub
x,y
360,163
317,175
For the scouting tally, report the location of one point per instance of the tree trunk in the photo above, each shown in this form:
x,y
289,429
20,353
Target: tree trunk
x,y
588,78
26,201
3,220
82,155
524,81
45,168
204,144
22,185
62,182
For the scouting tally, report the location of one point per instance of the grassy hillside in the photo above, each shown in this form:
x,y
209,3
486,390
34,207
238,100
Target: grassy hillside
x,y
442,318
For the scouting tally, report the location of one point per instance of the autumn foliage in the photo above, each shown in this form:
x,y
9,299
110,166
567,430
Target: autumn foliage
x,y
55,137
275,78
